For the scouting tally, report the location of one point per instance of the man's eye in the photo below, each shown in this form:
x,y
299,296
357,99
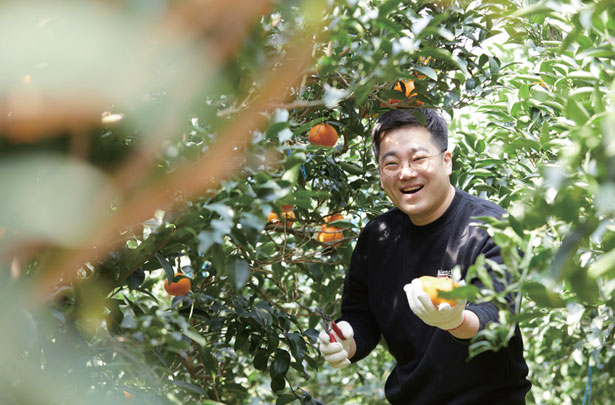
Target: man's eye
x,y
391,165
419,158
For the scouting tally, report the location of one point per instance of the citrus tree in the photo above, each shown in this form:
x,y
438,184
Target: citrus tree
x,y
547,143
169,235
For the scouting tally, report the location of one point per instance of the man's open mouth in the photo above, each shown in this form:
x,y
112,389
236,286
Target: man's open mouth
x,y
411,190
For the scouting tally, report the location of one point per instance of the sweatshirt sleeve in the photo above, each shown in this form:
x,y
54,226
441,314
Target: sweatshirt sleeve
x,y
355,302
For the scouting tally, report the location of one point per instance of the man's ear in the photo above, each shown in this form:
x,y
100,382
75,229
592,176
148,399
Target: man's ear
x,y
448,162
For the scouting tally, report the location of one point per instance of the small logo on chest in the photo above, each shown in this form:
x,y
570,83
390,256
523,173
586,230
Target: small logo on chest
x,y
445,273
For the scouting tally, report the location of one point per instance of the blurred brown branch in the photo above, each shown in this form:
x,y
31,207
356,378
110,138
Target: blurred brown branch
x,y
190,181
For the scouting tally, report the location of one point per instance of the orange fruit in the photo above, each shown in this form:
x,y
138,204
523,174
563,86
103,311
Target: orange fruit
x,y
180,287
273,217
408,85
287,207
431,285
330,235
333,217
323,135
288,216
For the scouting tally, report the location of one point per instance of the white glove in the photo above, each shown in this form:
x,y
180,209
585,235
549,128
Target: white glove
x,y
445,316
337,353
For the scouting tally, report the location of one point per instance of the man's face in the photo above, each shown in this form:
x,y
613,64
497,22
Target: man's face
x,y
423,195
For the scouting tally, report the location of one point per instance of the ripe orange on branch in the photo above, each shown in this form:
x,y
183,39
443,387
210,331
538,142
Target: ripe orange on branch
x,y
431,285
329,235
333,217
323,135
286,207
287,214
407,88
180,287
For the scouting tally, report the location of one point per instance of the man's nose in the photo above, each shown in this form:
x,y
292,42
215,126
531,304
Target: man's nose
x,y
407,171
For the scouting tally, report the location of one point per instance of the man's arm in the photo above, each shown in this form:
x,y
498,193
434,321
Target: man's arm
x,y
355,302
362,333
469,320
468,328
353,349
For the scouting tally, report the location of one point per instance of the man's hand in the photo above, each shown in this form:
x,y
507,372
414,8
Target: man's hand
x,y
444,316
337,353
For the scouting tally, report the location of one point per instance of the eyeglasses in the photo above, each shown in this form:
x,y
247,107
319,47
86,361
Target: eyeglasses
x,y
418,164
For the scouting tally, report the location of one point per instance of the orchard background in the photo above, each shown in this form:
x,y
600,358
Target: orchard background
x,y
141,139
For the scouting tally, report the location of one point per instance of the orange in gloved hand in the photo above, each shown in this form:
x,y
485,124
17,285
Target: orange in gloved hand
x,y
431,285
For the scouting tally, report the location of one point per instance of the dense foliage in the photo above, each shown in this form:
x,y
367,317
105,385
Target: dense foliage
x,y
209,136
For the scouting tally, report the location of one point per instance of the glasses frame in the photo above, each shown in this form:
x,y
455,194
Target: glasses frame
x,y
411,165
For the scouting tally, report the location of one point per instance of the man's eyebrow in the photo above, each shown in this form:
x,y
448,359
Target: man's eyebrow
x,y
413,150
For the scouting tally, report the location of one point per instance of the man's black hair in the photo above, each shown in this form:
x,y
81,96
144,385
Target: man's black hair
x,y
428,118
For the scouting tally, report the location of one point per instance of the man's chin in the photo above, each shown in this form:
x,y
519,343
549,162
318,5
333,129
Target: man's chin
x,y
411,210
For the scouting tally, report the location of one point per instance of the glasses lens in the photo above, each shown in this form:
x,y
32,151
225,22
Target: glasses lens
x,y
421,164
391,169
417,165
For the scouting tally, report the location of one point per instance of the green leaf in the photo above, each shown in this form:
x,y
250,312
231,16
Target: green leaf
x,y
527,316
543,296
599,52
563,260
147,292
469,292
533,10
190,387
585,287
197,338
277,384
582,76
241,340
297,346
524,92
136,278
482,173
260,359
427,71
501,239
604,266
351,168
262,314
598,99
239,273
553,104
494,66
151,265
280,364
168,269
484,277
292,174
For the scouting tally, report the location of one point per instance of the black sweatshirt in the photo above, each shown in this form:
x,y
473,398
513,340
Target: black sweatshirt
x,y
431,364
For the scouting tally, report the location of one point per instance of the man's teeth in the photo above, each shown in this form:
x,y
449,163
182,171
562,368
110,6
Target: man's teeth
x,y
412,189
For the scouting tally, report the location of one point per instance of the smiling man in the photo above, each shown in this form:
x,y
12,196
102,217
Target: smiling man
x,y
429,232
